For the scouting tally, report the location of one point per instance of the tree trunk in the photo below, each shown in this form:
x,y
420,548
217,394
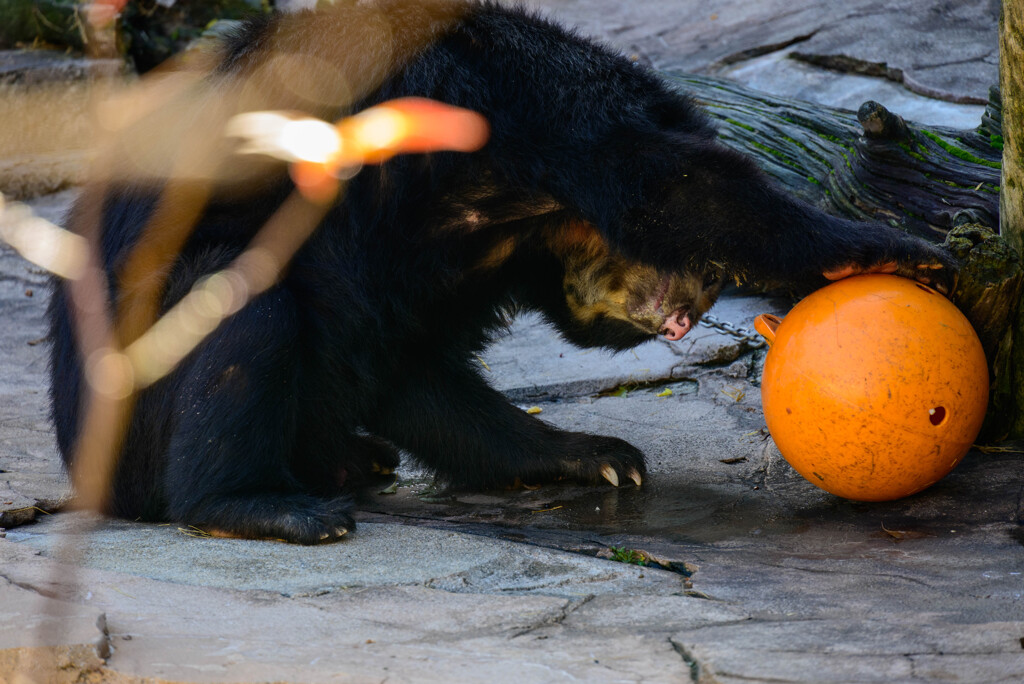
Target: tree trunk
x,y
1011,78
940,183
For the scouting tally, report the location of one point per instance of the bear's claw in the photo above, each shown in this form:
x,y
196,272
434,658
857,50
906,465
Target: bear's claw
x,y
608,473
634,476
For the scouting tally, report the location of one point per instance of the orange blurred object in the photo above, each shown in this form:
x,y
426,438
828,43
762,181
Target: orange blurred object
x,y
874,387
409,125
315,181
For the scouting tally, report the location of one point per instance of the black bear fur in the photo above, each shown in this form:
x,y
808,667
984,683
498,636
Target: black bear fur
x,y
602,200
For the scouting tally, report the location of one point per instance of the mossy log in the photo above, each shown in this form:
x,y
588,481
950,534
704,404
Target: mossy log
x,y
988,292
936,182
867,165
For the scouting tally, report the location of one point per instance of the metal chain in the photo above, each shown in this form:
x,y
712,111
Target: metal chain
x,y
751,337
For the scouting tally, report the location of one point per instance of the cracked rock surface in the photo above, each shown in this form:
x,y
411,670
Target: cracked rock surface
x,y
921,50
393,602
752,575
30,474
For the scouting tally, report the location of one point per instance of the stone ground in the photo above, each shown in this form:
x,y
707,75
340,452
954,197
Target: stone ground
x,y
761,577
925,52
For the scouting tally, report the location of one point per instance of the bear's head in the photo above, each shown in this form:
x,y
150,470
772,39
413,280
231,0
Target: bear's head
x,y
612,301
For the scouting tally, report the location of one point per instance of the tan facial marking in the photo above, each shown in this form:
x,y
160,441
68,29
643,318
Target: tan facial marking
x,y
497,255
602,284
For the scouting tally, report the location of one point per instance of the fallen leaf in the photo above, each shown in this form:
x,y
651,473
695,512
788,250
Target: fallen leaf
x,y
37,509
735,394
900,535
997,449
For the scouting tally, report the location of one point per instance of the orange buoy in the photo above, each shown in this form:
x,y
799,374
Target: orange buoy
x,y
874,387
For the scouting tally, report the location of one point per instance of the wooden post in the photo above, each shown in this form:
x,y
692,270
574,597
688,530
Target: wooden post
x,y
1011,200
1011,82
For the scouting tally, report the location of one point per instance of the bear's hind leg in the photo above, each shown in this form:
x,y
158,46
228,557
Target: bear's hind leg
x,y
342,458
229,463
370,456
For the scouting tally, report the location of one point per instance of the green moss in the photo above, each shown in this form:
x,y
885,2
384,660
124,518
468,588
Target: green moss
x,y
996,142
799,144
959,153
990,188
775,153
734,122
906,148
813,180
837,140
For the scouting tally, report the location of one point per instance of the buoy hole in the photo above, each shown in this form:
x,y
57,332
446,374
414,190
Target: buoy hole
x,y
925,288
937,415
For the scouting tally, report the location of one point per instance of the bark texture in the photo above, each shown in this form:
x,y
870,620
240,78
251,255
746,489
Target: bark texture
x,y
869,164
1011,77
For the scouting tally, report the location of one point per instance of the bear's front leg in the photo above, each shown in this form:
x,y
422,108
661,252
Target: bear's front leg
x,y
448,418
717,207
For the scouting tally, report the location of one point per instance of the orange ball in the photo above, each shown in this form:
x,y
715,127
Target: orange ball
x,y
874,387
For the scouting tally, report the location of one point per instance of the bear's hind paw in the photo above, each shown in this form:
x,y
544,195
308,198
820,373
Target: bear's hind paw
x,y
296,519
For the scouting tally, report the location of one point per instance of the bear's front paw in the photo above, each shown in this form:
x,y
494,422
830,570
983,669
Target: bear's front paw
x,y
591,458
927,264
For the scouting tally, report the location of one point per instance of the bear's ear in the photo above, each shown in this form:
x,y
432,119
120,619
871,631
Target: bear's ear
x,y
475,200
575,237
678,113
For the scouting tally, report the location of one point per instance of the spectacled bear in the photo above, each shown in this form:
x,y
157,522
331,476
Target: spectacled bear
x,y
601,200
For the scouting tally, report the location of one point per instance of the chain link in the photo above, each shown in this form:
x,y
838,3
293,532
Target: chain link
x,y
751,337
